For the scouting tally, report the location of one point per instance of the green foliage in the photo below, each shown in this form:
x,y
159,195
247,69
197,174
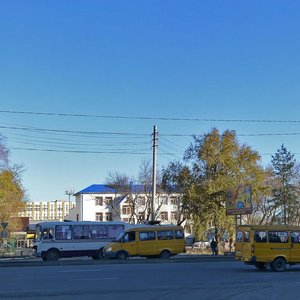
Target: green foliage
x,y
285,198
11,190
215,163
11,196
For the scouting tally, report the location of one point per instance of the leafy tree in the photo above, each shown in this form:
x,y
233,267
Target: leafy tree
x,y
284,193
219,163
11,189
11,195
263,208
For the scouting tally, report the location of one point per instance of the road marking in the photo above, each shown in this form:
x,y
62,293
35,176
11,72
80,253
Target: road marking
x,y
97,279
73,271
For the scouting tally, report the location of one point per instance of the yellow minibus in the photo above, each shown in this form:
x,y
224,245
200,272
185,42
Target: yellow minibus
x,y
268,245
149,241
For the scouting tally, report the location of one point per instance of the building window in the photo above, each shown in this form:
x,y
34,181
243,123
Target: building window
x,y
164,200
108,200
126,210
99,201
108,216
174,216
99,217
164,216
141,200
174,200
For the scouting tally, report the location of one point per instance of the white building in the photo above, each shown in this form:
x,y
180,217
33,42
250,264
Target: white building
x,y
100,202
47,211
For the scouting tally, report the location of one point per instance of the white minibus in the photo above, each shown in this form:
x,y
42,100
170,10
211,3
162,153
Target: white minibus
x,y
56,240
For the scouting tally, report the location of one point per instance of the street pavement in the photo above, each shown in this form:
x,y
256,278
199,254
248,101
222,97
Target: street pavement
x,y
29,260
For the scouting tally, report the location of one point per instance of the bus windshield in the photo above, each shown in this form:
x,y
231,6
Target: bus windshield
x,y
43,233
39,232
120,236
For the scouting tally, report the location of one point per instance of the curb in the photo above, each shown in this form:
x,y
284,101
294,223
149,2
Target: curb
x,y
30,261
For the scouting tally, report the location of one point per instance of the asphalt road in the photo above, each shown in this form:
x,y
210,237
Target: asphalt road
x,y
188,279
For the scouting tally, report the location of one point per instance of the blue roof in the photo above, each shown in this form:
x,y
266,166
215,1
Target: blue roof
x,y
98,188
106,189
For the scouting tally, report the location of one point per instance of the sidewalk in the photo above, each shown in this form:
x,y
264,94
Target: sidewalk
x,y
29,260
19,253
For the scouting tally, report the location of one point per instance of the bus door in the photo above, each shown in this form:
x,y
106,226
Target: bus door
x,y
246,251
295,246
242,243
129,242
261,246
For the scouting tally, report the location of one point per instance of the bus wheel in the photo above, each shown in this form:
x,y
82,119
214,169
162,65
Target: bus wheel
x,y
165,254
52,255
121,255
278,265
260,266
99,255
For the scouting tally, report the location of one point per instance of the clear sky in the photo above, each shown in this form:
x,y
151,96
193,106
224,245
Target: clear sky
x,y
183,66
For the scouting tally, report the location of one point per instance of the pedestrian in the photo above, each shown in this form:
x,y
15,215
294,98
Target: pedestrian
x,y
214,247
193,242
230,245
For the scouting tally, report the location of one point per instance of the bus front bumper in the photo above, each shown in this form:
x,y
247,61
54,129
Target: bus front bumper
x,y
109,254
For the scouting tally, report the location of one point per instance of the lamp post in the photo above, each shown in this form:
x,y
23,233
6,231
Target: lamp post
x,y
69,192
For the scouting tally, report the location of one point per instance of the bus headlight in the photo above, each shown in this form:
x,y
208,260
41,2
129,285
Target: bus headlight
x,y
108,249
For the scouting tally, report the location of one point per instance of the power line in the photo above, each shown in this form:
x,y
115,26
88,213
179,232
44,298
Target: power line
x,y
35,129
80,151
95,133
173,145
148,118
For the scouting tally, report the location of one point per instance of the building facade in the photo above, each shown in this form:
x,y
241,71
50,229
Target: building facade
x,y
47,211
100,202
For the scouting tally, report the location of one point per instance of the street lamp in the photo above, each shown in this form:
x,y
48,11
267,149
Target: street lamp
x,y
69,192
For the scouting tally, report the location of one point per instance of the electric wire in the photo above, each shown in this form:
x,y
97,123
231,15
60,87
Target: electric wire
x,y
148,118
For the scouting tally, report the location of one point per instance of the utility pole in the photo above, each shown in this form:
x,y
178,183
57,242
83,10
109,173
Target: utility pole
x,y
154,173
69,192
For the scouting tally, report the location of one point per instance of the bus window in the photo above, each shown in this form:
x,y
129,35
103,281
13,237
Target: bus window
x,y
278,236
295,236
48,234
147,235
165,235
260,236
179,234
81,231
239,236
63,232
114,230
246,236
129,237
99,231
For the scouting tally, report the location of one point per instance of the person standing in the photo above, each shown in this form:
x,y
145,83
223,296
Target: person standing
x,y
214,247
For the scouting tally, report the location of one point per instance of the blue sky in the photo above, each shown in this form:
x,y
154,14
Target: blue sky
x,y
213,60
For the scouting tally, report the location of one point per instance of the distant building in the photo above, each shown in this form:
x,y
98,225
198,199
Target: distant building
x,y
100,202
47,211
